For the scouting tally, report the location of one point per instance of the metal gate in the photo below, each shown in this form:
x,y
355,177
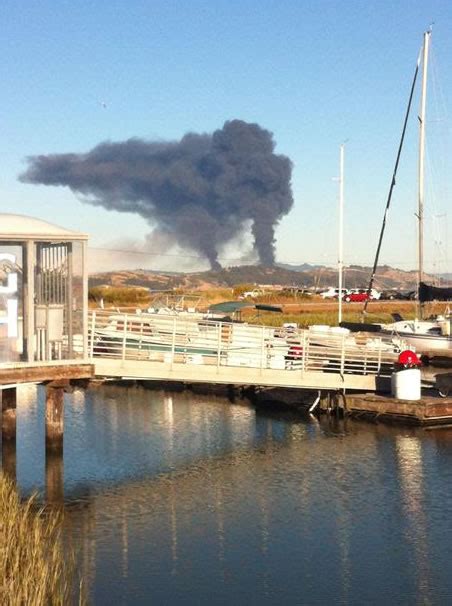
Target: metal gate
x,y
53,307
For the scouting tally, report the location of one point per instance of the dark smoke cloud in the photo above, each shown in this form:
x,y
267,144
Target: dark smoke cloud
x,y
201,189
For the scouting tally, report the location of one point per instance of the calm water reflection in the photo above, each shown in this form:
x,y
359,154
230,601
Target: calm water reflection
x,y
186,499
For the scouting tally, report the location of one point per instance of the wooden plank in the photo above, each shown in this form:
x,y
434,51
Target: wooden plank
x,y
424,411
439,408
42,374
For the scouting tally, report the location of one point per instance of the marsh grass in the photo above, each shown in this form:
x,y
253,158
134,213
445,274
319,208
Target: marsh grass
x,y
35,566
310,318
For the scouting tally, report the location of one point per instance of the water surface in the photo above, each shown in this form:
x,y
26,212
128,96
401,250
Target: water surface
x,y
178,498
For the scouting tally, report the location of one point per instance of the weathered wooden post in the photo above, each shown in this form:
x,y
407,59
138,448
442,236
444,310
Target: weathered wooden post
x,y
9,402
54,441
54,416
9,459
54,476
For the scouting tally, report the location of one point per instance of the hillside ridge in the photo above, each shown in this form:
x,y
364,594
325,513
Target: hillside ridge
x,y
318,277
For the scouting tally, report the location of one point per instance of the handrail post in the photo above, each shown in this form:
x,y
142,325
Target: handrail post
x,y
379,356
343,356
173,342
124,338
303,353
219,346
93,327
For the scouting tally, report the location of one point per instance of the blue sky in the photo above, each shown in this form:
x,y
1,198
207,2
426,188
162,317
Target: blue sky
x,y
314,73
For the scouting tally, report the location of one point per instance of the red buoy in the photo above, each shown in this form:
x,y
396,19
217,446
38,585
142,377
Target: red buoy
x,y
409,359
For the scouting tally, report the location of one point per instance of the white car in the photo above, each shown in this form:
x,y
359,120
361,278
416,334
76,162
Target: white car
x,y
251,294
333,293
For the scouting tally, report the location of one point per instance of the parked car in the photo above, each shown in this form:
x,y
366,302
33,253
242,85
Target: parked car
x,y
252,294
333,293
398,295
358,295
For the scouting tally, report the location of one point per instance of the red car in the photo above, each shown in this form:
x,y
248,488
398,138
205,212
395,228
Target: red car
x,y
356,296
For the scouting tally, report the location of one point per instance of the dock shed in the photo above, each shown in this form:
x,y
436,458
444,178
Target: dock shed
x,y
43,291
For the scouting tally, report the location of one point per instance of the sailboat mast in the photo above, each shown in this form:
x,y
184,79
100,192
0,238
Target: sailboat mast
x,y
393,182
421,166
340,263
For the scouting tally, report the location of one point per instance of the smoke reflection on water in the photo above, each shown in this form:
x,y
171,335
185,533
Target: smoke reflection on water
x,y
182,498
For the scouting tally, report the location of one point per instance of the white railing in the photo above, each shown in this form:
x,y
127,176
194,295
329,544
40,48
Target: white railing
x,y
174,340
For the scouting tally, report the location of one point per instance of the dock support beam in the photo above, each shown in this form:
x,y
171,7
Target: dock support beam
x,y
9,403
54,469
54,417
8,397
9,459
54,477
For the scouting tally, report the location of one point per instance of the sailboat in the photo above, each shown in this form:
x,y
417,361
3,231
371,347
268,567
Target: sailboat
x,y
422,334
434,334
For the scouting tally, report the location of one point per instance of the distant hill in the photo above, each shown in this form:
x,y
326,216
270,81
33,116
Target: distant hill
x,y
302,267
319,277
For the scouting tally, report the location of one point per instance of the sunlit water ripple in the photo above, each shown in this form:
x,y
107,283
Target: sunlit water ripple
x,y
188,499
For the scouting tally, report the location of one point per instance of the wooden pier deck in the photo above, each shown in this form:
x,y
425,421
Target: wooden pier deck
x,y
427,411
43,372
56,375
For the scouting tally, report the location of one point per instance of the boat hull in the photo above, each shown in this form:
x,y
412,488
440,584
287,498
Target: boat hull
x,y
423,342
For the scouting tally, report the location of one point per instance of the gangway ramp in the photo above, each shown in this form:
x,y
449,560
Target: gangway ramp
x,y
194,350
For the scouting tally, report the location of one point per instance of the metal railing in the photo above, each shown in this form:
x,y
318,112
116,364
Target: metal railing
x,y
190,339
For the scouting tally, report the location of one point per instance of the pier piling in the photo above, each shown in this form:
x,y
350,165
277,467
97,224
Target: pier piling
x,y
54,471
9,459
54,416
9,403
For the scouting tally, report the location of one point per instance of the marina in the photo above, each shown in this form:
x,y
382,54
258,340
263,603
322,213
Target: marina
x,y
50,337
225,346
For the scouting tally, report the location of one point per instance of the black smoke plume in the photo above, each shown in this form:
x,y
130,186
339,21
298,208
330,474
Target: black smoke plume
x,y
202,189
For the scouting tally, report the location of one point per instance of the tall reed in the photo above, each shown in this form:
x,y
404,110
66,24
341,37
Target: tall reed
x,y
35,567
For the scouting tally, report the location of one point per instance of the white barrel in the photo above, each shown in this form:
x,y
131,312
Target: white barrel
x,y
406,384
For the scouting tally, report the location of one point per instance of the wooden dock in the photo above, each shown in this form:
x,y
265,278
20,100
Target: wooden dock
x,y
44,372
56,375
427,411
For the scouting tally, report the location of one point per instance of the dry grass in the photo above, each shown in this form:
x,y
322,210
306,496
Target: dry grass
x,y
35,567
305,310
317,311
312,316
